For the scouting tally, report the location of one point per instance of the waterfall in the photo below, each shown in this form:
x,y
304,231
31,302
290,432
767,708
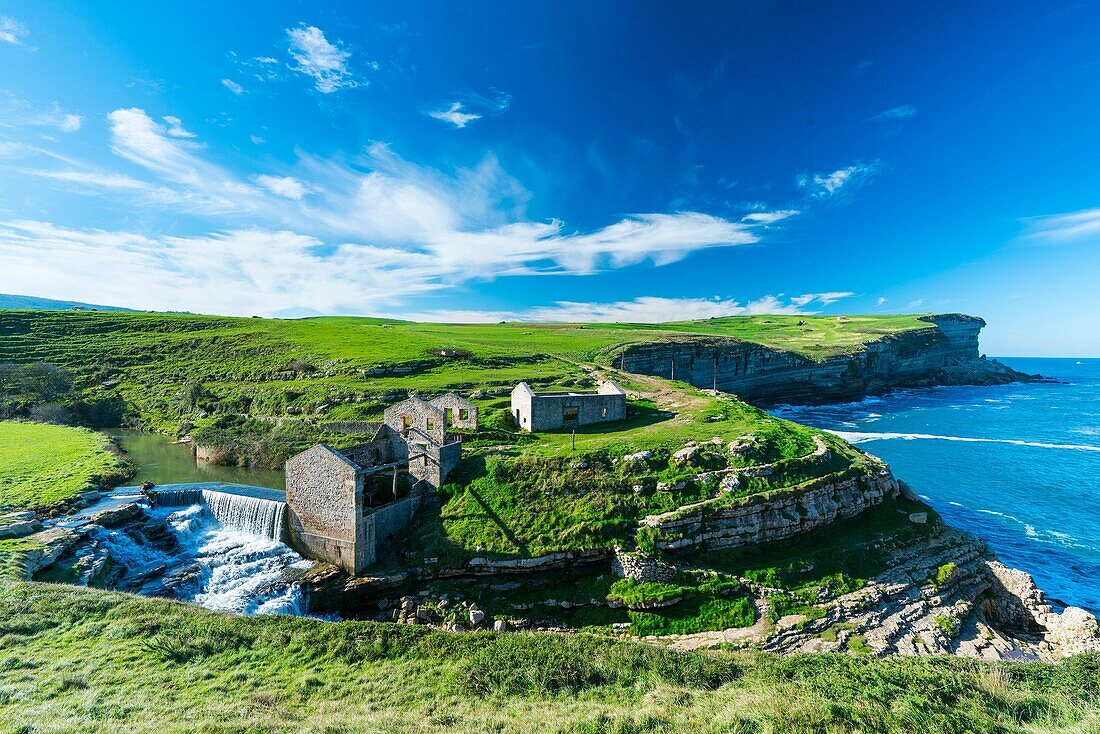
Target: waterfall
x,y
251,514
253,510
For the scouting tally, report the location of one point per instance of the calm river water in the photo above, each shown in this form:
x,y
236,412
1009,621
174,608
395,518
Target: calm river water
x,y
160,461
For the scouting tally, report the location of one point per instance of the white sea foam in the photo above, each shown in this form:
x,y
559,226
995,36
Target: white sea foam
x,y
862,437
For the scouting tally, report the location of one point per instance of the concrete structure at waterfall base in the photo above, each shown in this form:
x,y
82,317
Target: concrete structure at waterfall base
x,y
549,411
346,506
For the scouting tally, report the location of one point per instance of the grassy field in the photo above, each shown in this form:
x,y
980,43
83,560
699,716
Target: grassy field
x,y
75,659
173,368
41,465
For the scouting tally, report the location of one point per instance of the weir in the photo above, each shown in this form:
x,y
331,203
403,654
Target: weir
x,y
256,510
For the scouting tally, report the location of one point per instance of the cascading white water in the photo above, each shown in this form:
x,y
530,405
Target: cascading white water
x,y
243,508
223,567
251,514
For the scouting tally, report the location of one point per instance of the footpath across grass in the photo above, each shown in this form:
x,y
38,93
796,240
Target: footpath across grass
x,y
76,659
42,464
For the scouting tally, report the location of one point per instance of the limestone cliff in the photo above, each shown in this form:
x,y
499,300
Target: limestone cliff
x,y
943,353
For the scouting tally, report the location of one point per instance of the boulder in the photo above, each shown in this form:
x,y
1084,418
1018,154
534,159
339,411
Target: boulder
x,y
119,515
500,625
639,457
686,455
19,529
476,616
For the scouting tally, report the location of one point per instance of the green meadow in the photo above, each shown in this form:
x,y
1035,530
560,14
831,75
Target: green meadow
x,y
42,464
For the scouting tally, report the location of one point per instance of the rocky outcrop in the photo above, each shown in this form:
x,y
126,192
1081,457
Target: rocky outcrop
x,y
642,568
772,516
944,353
946,595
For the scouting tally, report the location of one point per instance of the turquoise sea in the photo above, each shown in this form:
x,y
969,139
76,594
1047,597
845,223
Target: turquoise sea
x,y
1018,465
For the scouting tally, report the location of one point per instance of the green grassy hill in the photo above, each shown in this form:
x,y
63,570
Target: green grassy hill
x,y
174,369
78,659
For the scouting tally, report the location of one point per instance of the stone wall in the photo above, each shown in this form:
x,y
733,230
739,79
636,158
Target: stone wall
x,y
417,420
380,528
324,496
773,516
455,408
641,568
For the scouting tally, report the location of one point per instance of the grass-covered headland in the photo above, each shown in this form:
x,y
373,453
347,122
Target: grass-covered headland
x,y
266,387
80,660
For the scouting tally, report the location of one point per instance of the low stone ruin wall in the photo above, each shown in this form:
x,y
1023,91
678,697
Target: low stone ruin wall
x,y
641,568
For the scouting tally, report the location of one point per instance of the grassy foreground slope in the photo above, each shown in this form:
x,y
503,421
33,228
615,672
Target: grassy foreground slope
x,y
75,659
42,464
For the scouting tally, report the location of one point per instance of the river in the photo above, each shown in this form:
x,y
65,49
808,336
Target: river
x,y
160,461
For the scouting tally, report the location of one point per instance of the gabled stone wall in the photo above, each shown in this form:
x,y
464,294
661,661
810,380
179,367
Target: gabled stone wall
x,y
460,413
324,493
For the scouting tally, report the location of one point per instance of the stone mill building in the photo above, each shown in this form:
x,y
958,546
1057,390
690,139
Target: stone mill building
x,y
345,506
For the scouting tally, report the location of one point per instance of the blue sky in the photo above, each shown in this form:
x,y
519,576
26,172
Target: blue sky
x,y
615,161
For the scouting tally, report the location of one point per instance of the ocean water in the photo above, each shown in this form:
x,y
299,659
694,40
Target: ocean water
x,y
1017,465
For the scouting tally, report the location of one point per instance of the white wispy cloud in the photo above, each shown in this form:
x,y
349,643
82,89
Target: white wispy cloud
x,y
901,112
287,187
1067,228
175,127
235,272
12,31
316,57
769,217
881,301
232,86
425,227
825,185
16,112
824,299
642,310
454,115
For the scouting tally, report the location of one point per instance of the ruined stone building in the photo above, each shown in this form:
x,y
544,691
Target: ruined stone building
x,y
345,506
547,411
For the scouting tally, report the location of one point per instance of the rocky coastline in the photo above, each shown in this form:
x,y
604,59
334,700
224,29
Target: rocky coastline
x,y
944,353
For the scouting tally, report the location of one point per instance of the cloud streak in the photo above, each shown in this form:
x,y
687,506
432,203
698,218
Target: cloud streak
x,y
828,185
454,115
642,310
901,112
12,31
1065,229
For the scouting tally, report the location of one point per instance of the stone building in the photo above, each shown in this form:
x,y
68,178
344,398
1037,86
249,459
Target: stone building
x,y
346,506
547,411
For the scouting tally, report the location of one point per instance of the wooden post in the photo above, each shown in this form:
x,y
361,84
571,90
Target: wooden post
x,y
574,439
716,374
672,376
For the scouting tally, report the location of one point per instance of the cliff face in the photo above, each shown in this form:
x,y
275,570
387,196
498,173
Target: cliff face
x,y
776,516
944,353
